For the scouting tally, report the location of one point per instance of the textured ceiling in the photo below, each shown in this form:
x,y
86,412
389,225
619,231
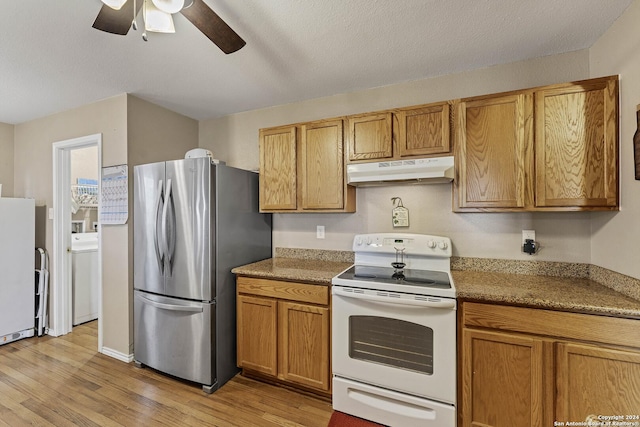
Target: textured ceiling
x,y
52,60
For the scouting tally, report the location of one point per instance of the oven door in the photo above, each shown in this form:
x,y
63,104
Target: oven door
x,y
401,342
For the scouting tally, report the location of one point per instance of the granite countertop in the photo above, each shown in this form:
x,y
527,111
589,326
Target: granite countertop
x,y
296,269
574,294
580,295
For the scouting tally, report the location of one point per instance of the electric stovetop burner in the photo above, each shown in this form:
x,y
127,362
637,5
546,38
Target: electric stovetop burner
x,y
424,278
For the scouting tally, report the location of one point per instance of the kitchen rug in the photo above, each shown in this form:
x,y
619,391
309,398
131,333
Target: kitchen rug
x,y
340,419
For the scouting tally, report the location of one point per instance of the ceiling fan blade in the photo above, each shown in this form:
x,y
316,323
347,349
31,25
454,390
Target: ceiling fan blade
x,y
212,26
116,21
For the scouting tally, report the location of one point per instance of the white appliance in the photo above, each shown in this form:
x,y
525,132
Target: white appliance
x,y
84,254
394,332
17,269
434,170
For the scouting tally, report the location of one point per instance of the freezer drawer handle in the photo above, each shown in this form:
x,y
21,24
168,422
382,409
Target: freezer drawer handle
x,y
171,307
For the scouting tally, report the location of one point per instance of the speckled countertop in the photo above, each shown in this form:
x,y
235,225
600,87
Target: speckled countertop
x,y
580,295
296,269
576,293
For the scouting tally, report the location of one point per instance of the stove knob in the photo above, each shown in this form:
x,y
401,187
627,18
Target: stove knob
x,y
443,245
368,240
431,244
359,241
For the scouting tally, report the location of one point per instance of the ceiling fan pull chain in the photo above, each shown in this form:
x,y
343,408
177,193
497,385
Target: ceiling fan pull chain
x,y
144,11
134,24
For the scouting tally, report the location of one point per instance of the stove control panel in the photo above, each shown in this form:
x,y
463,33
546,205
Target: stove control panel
x,y
390,243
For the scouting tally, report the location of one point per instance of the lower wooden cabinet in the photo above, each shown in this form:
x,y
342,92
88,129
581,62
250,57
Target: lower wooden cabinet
x,y
533,367
303,344
597,381
257,334
503,379
284,332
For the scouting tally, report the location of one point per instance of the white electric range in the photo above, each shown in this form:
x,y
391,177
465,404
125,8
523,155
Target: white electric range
x,y
394,331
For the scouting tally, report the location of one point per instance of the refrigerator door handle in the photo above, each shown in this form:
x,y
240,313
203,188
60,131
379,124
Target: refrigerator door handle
x,y
171,307
165,238
159,254
171,242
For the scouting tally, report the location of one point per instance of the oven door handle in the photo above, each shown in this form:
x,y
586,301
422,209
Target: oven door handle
x,y
439,303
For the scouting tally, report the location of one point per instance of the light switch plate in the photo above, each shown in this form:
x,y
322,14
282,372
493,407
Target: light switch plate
x,y
320,232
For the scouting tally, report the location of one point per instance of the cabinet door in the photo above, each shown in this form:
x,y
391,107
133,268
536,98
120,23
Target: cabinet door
x,y
594,381
493,143
502,379
278,169
370,137
322,159
576,144
257,334
304,344
423,131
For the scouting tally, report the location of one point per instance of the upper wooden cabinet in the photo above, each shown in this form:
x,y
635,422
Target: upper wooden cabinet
x,y
576,144
302,169
322,161
423,131
278,160
418,131
493,141
553,148
370,137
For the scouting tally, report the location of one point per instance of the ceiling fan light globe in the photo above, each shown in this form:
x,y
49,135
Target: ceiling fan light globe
x,y
114,4
169,6
156,20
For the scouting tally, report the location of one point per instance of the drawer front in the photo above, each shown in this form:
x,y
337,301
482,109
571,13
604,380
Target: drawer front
x,y
302,292
584,327
174,336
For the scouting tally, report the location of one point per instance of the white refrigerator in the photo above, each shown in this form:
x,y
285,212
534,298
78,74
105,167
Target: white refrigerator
x,y
17,269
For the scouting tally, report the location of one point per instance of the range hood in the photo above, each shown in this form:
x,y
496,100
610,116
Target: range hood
x,y
435,170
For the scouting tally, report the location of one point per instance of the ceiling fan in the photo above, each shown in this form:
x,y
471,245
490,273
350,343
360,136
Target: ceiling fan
x,y
117,16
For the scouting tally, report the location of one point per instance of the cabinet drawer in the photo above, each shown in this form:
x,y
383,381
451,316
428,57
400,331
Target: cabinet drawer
x,y
585,327
315,294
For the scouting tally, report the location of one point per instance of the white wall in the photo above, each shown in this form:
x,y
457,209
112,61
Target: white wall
x,y
133,132
616,237
84,164
33,178
564,236
6,159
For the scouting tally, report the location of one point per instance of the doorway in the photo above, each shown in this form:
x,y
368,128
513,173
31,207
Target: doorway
x,y
75,198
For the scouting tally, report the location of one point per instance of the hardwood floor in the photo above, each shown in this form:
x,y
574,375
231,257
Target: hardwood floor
x,y
65,382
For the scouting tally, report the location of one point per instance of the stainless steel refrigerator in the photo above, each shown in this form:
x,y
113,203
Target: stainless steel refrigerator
x,y
193,222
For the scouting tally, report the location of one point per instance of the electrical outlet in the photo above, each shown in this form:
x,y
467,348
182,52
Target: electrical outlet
x,y
320,232
528,235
